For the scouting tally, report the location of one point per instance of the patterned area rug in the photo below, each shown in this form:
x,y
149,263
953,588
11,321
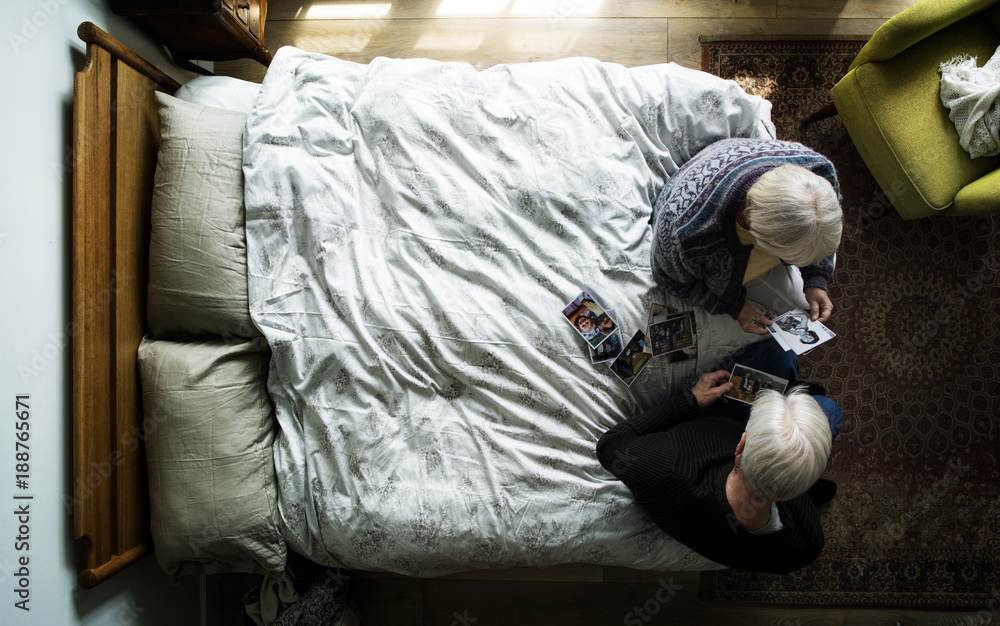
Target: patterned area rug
x,y
915,366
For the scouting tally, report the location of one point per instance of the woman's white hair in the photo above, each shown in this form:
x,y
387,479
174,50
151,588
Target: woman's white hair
x,y
787,446
795,215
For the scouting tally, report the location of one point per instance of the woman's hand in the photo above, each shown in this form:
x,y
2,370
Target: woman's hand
x,y
820,306
710,387
753,322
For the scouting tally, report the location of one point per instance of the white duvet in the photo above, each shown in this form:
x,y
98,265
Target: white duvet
x,y
414,229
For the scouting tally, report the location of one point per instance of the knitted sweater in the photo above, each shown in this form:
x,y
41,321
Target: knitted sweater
x,y
677,466
696,253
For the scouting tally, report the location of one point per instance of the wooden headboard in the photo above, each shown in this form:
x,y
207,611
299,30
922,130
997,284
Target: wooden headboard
x,y
114,157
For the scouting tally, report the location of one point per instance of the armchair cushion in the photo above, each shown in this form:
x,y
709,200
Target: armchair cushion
x,y
980,196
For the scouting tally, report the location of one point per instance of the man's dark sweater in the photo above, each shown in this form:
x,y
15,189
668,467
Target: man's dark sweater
x,y
677,466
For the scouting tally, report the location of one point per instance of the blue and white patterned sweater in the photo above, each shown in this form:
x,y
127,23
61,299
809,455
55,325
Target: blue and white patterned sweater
x,y
696,253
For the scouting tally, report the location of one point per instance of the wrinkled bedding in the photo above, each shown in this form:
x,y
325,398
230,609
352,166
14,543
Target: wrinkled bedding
x,y
414,229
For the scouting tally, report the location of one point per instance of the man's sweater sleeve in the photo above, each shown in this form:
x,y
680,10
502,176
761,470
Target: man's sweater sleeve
x,y
612,449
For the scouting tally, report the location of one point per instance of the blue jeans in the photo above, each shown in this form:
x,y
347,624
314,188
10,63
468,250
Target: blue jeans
x,y
767,356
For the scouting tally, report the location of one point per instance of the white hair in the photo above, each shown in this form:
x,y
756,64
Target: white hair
x,y
795,215
787,446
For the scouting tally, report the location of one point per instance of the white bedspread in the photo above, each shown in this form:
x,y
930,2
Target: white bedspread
x,y
414,229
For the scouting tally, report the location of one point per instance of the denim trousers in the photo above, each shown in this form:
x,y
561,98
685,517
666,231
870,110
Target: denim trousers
x,y
768,356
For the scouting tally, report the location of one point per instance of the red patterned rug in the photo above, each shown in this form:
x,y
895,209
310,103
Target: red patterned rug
x,y
915,366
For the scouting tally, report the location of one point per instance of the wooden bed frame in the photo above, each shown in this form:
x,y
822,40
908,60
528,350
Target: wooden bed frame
x,y
114,157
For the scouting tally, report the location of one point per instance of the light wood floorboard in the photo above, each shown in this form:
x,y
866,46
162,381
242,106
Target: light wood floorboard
x,y
506,9
641,32
488,32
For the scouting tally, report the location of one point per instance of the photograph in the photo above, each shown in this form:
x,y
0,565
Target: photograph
x,y
691,351
590,319
632,359
795,332
748,382
611,347
672,334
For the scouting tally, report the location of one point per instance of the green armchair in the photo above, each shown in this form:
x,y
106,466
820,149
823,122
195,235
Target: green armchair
x,y
890,104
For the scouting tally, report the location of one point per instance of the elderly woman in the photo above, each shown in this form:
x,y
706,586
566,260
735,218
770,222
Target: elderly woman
x,y
744,495
736,215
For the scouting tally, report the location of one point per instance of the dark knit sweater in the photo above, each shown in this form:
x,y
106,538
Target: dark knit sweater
x,y
696,253
677,466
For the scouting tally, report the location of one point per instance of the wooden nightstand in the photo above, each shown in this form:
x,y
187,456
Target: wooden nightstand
x,y
209,30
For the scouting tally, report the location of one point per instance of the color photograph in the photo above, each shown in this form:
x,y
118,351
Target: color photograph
x,y
675,333
611,347
589,319
748,382
632,360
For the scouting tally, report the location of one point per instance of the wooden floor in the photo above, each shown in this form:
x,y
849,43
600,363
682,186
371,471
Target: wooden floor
x,y
487,32
484,33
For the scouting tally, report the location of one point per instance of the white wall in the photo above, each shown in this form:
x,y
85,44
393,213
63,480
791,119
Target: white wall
x,y
39,52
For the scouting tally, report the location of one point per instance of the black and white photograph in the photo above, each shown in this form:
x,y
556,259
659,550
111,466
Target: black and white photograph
x,y
796,332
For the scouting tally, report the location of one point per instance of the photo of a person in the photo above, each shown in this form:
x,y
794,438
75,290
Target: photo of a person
x,y
612,346
605,324
797,323
794,322
795,332
675,333
586,315
632,360
809,337
586,324
748,382
607,350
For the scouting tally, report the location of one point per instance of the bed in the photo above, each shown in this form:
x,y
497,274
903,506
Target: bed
x,y
325,317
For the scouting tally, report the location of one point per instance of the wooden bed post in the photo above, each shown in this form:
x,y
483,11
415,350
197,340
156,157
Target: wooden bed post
x,y
114,157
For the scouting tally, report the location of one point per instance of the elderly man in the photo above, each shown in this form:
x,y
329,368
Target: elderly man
x,y
757,215
741,493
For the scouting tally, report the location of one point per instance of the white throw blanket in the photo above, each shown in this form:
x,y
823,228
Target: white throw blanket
x,y
414,230
972,95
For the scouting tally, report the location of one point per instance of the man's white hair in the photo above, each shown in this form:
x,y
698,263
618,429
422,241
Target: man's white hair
x,y
787,446
795,215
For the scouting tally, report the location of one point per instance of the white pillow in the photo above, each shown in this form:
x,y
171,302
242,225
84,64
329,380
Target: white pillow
x,y
222,92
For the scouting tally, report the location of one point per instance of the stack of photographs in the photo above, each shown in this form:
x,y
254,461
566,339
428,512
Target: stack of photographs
x,y
670,335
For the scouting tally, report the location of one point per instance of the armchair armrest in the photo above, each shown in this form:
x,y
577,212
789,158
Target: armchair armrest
x,y
980,197
914,24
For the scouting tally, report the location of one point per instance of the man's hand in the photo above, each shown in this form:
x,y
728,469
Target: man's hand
x,y
710,387
820,306
753,322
